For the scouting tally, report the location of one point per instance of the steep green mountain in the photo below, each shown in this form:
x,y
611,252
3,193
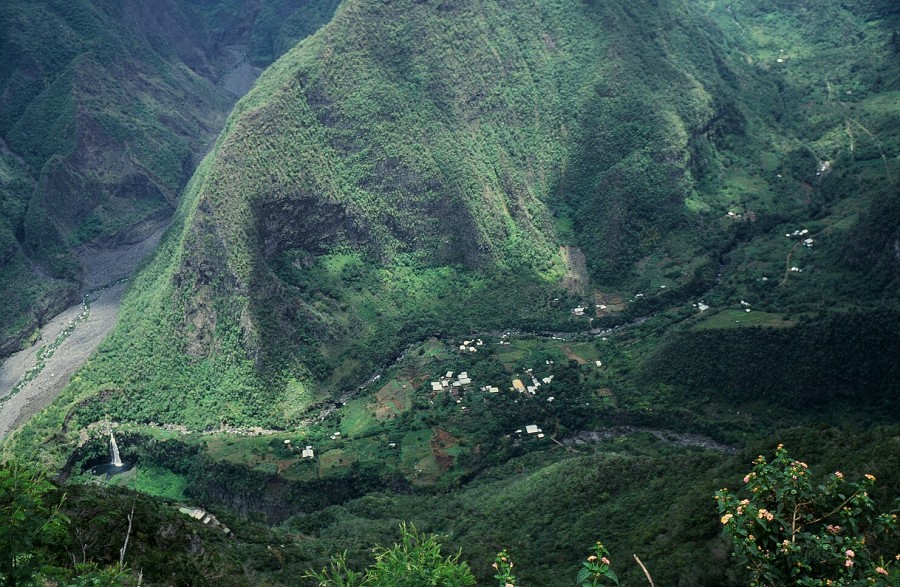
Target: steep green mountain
x,y
413,170
425,187
105,108
375,188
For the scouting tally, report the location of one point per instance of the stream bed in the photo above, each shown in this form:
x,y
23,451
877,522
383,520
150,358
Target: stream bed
x,y
32,378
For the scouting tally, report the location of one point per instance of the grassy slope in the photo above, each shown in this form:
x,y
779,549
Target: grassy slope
x,y
376,187
844,302
110,105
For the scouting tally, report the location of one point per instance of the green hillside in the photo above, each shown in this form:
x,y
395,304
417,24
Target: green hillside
x,y
105,109
372,190
675,222
376,188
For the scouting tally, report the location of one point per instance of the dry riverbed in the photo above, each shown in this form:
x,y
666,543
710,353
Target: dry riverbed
x,y
30,379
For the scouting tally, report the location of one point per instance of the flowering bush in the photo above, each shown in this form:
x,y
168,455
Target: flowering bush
x,y
595,570
503,565
791,531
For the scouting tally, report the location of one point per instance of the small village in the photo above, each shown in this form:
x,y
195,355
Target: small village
x,y
529,384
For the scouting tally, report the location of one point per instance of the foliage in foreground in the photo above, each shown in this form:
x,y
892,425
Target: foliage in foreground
x,y
788,530
415,561
32,526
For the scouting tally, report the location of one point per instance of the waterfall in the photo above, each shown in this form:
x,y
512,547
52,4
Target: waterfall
x,y
114,451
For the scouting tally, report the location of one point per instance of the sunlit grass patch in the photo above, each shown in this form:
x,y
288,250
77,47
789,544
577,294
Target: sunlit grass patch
x,y
742,319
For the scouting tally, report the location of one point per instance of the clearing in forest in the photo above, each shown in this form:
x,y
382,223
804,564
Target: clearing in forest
x,y
574,357
336,459
393,399
576,279
607,303
741,319
442,448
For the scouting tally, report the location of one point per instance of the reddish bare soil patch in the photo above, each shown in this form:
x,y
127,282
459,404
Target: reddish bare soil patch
x,y
571,355
612,303
413,377
441,442
392,399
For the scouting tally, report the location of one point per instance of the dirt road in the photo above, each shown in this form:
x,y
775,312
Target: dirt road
x,y
72,336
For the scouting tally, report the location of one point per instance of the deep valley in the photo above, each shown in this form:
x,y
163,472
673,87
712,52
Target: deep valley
x,y
526,275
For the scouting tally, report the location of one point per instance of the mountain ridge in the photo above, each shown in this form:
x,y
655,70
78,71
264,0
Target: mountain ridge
x,y
340,193
229,232
110,123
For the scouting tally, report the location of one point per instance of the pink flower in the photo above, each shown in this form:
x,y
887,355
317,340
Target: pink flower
x,y
605,561
850,553
726,518
848,563
746,478
838,474
880,570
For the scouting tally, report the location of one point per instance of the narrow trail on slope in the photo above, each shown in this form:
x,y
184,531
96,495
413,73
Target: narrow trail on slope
x,y
787,263
32,378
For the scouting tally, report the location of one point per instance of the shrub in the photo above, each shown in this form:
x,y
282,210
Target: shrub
x,y
789,530
415,561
